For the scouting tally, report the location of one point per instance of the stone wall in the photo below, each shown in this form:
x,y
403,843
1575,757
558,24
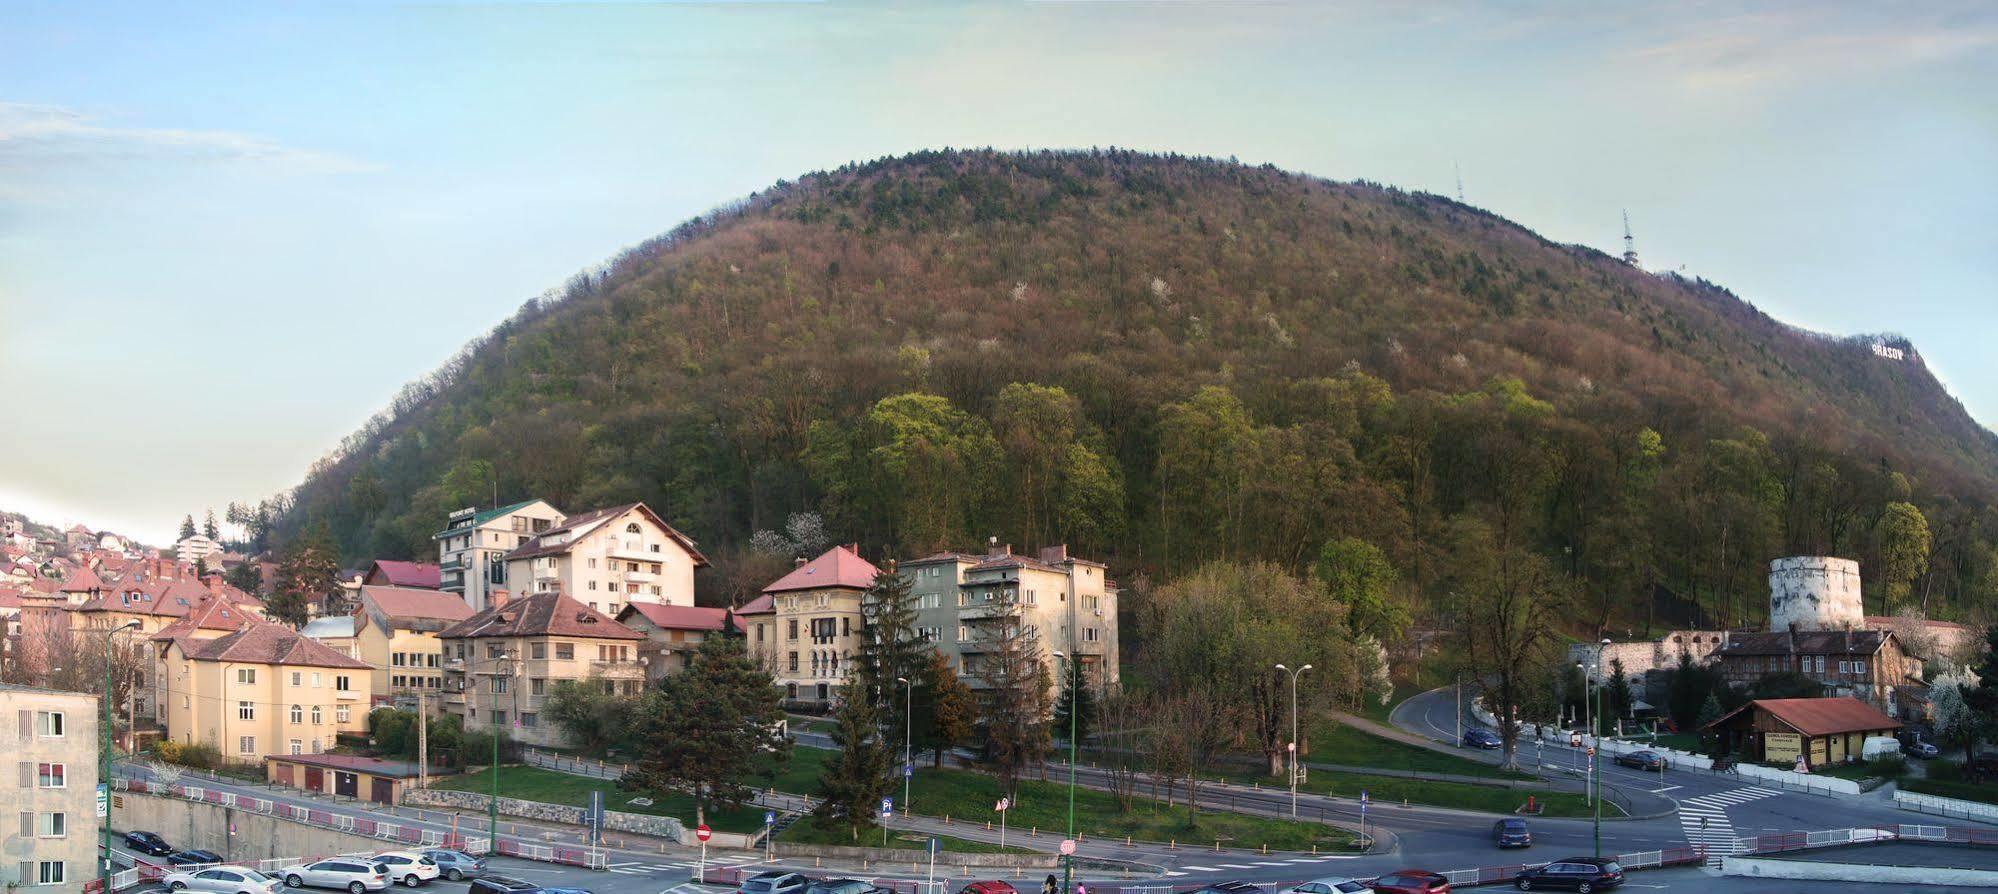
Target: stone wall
x,y
614,821
1815,593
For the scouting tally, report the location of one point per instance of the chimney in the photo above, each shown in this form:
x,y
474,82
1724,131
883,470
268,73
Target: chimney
x,y
994,549
798,562
1055,555
1793,637
499,597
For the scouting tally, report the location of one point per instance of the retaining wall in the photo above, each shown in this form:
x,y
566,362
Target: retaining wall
x,y
900,855
1926,877
615,821
203,825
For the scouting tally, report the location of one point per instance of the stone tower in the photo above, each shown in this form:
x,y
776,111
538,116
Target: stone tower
x,y
1815,593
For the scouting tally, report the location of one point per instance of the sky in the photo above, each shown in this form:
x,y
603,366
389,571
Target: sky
x,y
229,233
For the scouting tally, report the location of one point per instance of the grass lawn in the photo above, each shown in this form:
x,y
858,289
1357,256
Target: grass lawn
x,y
548,786
1339,744
1966,791
1458,795
804,831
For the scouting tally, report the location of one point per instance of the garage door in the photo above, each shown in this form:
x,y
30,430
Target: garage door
x,y
315,779
283,772
382,791
345,783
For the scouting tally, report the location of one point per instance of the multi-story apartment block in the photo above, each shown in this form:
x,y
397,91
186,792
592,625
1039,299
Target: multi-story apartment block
x,y
395,632
54,741
673,633
263,689
501,664
1071,604
811,625
196,549
607,559
472,547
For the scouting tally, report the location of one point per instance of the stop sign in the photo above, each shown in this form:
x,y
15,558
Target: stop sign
x,y
703,832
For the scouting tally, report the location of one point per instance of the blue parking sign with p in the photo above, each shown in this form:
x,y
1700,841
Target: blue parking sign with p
x,y
887,807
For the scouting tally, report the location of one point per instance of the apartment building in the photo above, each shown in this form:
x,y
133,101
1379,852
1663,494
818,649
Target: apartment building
x,y
1070,602
814,624
53,847
607,559
262,689
395,633
673,633
501,664
198,548
472,547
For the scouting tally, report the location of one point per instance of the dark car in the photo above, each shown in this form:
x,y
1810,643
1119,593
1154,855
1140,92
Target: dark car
x,y
1642,760
1582,874
194,858
500,884
1512,832
774,882
1920,749
1479,737
1412,881
1230,888
843,886
149,843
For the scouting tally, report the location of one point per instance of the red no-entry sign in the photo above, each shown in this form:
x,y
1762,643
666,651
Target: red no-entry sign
x,y
703,832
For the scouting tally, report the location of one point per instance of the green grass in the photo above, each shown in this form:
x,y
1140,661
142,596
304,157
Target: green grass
x,y
1965,791
1394,789
1340,744
804,831
548,786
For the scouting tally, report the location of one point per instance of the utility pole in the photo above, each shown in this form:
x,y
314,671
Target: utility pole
x,y
1294,762
422,741
104,767
908,737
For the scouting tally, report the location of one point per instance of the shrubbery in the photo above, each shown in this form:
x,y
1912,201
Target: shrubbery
x,y
200,756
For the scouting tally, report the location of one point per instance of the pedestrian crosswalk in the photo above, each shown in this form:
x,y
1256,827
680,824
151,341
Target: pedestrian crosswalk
x,y
1704,819
638,868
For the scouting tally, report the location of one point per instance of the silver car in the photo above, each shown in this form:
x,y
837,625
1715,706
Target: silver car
x,y
457,866
1329,886
223,880
357,876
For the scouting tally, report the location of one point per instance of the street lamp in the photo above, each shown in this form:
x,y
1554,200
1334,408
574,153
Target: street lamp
x,y
492,807
1068,859
104,762
908,737
1596,754
1294,674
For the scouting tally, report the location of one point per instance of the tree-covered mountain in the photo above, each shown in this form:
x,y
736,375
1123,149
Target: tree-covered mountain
x,y
1163,360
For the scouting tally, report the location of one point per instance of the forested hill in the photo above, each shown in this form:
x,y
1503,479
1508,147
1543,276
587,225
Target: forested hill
x,y
1163,360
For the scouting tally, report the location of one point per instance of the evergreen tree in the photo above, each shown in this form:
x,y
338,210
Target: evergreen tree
x,y
856,777
308,572
187,527
1016,709
245,577
1983,698
1710,711
1619,695
945,708
703,730
209,529
890,651
1077,699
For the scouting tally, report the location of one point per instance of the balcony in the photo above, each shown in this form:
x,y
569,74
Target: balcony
x,y
631,548
640,577
617,670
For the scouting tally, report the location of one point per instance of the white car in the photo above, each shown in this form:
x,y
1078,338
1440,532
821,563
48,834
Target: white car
x,y
409,868
223,880
1328,886
357,876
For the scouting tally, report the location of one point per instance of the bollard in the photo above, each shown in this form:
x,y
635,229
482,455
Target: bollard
x,y
988,825
1171,843
1034,831
815,862
1266,849
1127,841
946,819
1314,850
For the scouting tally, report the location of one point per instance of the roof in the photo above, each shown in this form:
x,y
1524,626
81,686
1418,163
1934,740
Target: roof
x,y
407,604
677,617
761,605
420,575
329,627
1818,716
579,526
373,766
480,518
945,556
211,614
1806,642
543,614
83,580
266,643
836,567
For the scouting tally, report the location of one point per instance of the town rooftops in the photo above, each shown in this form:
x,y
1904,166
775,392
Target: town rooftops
x,y
419,575
480,518
836,567
1818,716
211,614
83,581
543,614
563,537
1806,642
355,763
677,617
408,608
267,643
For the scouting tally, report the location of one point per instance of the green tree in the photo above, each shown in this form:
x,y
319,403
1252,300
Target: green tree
x,y
1075,708
1617,697
308,572
1505,598
705,729
1359,576
856,776
1904,552
946,708
1015,709
1202,473
892,651
1786,684
1710,711
187,527
590,713
209,528
392,731
1954,720
245,577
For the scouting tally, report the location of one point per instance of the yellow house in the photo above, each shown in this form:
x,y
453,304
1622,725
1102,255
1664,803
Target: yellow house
x,y
504,661
156,603
395,632
263,689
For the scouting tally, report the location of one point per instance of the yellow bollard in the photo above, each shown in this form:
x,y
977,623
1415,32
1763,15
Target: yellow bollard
x,y
988,825
1127,841
1266,849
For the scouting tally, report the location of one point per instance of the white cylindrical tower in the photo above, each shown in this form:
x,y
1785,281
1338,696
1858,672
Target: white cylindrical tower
x,y
1815,593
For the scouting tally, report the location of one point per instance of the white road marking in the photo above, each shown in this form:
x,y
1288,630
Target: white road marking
x,y
1200,868
1170,873
1236,866
1660,791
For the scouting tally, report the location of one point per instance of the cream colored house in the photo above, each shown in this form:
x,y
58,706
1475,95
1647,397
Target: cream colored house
x,y
673,633
263,689
472,548
395,633
1070,602
52,739
816,626
501,664
607,559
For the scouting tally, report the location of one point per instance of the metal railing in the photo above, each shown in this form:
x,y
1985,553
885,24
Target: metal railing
x,y
396,832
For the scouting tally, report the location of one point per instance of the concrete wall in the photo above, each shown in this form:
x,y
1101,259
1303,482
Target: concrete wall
x,y
1941,806
196,824
615,821
1928,877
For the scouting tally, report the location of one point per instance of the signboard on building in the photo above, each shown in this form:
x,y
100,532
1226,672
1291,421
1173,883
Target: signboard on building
x,y
1782,746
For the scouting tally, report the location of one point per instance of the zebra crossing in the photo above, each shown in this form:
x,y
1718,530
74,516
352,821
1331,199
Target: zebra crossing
x,y
1704,819
637,868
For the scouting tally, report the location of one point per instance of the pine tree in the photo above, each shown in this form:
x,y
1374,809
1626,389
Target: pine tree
x,y
1076,697
1016,710
856,777
308,572
1619,694
1710,711
187,527
209,529
891,650
945,708
702,730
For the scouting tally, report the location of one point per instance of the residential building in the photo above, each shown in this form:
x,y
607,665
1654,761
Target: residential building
x,y
673,633
608,558
157,603
1864,664
262,689
503,662
472,547
196,549
396,634
1069,602
335,632
1821,731
54,737
206,620
79,536
409,575
817,624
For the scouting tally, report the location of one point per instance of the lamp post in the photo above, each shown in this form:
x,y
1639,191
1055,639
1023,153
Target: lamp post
x,y
1596,756
908,738
1589,730
104,764
1068,859
1294,674
492,806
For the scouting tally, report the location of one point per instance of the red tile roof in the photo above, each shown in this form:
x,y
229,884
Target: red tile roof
x,y
836,567
211,614
761,605
544,614
420,575
1819,716
267,643
397,603
677,617
83,581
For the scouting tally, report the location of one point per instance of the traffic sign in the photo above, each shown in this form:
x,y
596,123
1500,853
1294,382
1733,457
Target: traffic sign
x,y
1574,740
103,799
908,770
1068,847
887,807
1592,751
703,833
770,817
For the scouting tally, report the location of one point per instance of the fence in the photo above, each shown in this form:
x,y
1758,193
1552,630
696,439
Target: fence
x,y
1940,806
563,763
145,871
396,832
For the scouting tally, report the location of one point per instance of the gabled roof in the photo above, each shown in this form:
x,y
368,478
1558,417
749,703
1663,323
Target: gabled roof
x,y
83,581
407,605
1818,716
836,567
267,643
1807,642
676,617
329,627
480,518
945,556
543,614
563,537
761,605
420,575
211,614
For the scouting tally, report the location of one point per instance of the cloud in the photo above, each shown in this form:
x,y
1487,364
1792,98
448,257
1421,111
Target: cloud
x,y
36,136
1767,49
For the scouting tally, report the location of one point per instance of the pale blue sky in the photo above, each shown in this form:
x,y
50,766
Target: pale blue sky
x,y
228,233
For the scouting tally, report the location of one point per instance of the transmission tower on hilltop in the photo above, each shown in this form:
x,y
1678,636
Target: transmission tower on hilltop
x,y
1629,243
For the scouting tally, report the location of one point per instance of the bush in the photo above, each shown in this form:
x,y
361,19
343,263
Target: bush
x,y
1891,766
200,756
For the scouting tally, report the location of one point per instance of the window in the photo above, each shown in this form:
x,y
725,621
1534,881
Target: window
x,y
340,713
315,679
593,585
315,715
963,599
1859,667
792,632
794,662
294,678
759,632
593,561
315,745
565,651
499,718
536,686
48,724
51,776
528,719
963,634
297,714
492,650
340,683
246,675
498,684
537,650
297,746
654,589
1089,634
395,660
632,528
246,745
47,872
398,681
655,547
1030,598
246,710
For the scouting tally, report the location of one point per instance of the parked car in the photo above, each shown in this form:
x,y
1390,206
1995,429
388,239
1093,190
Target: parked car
x,y
148,843
194,858
843,886
1512,832
1328,886
1230,888
1412,881
223,880
987,887
500,884
1920,749
1584,874
1642,760
357,876
455,865
772,882
409,867
1479,737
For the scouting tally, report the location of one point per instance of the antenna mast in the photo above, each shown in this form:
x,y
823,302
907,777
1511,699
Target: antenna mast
x,y
1629,244
1460,183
